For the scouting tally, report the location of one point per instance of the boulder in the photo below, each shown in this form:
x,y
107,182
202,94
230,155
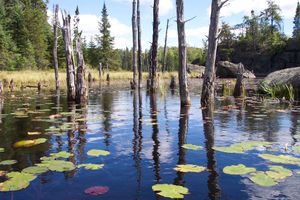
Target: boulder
x,y
285,76
196,70
226,69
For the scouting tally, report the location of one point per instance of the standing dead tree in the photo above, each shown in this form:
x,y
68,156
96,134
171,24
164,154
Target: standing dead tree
x,y
67,36
208,88
55,38
134,45
165,48
182,73
140,60
154,61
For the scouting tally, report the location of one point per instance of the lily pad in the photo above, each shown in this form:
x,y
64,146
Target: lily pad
x,y
279,172
29,143
189,168
296,149
242,147
62,154
96,190
57,165
35,170
283,159
97,153
90,166
34,133
238,169
8,162
191,147
262,179
40,141
170,191
1,150
229,149
17,181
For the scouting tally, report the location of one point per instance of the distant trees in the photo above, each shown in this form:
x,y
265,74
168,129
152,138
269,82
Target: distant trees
x,y
296,29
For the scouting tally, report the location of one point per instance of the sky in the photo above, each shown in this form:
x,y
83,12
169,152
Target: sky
x,y
120,12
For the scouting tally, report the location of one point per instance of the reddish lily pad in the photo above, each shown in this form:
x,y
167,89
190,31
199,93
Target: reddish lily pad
x,y
96,190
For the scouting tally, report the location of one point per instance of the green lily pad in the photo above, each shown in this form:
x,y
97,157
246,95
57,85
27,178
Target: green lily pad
x,y
40,141
242,147
57,165
34,133
230,149
279,172
8,162
189,168
283,159
238,170
97,153
90,166
170,191
262,179
62,154
17,181
35,170
29,143
191,147
2,150
296,149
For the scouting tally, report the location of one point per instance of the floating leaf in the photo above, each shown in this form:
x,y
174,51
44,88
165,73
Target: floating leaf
x,y
283,159
34,133
238,169
17,181
29,143
35,170
91,166
62,154
1,150
170,191
262,179
296,149
40,141
189,168
229,149
98,153
96,190
242,147
57,165
8,162
279,172
191,147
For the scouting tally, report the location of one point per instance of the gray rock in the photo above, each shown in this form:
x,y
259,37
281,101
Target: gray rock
x,y
226,69
285,76
196,70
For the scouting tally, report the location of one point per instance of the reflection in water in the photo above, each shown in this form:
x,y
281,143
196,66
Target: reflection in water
x,y
182,134
107,105
213,178
294,127
82,128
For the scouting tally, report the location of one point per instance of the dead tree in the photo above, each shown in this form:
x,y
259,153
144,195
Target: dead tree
x,y
182,73
134,45
100,71
67,36
239,85
208,88
140,60
154,62
165,48
55,37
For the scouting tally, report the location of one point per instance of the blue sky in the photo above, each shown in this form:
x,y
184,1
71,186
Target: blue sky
x,y
196,30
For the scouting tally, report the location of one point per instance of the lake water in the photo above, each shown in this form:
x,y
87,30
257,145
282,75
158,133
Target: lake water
x,y
144,136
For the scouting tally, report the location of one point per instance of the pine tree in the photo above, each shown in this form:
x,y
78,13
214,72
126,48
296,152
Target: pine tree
x,y
296,32
105,40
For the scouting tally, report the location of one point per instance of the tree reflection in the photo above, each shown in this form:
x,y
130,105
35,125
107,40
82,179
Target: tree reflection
x,y
107,105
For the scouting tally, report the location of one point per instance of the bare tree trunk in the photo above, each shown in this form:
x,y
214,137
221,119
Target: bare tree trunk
x,y
140,66
67,35
166,48
55,60
154,63
239,86
100,71
182,74
208,88
134,45
81,88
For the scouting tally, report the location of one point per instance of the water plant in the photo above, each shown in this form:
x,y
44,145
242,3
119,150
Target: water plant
x,y
170,191
189,168
97,153
279,91
192,147
238,169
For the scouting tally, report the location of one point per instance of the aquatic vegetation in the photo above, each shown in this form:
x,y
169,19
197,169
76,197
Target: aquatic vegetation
x,y
283,159
90,166
242,147
34,133
62,154
2,150
8,162
191,147
35,170
189,168
238,169
96,190
279,90
97,153
29,143
262,179
57,165
17,181
279,172
170,191
296,149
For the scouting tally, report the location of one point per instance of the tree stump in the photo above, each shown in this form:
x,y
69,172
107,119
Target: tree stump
x,y
90,77
107,78
12,85
239,85
39,87
173,83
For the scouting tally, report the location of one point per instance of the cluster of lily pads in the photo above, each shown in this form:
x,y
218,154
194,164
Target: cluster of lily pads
x,y
21,180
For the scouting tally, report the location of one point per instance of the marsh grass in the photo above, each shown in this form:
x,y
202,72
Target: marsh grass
x,y
279,91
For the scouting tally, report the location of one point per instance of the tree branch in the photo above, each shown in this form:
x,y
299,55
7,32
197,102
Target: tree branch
x,y
223,3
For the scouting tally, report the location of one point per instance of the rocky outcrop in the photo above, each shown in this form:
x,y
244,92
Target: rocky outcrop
x,y
195,70
227,69
285,76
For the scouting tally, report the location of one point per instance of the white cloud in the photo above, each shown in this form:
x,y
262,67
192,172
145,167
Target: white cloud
x,y
200,32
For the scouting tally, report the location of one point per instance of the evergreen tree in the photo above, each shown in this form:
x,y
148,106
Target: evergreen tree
x,y
105,40
296,32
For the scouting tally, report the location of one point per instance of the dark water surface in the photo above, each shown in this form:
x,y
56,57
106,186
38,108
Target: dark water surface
x,y
144,136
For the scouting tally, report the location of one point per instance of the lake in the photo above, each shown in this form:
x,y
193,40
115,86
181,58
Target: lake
x,y
144,136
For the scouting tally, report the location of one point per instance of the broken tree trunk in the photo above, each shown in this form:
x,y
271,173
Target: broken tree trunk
x,y
154,62
182,73
140,60
165,48
239,85
67,36
134,45
100,71
208,88
55,37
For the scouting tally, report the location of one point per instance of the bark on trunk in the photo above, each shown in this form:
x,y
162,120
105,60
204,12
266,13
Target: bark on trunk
x,y
67,36
166,48
182,74
140,60
208,88
55,60
134,45
153,69
100,71
239,86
